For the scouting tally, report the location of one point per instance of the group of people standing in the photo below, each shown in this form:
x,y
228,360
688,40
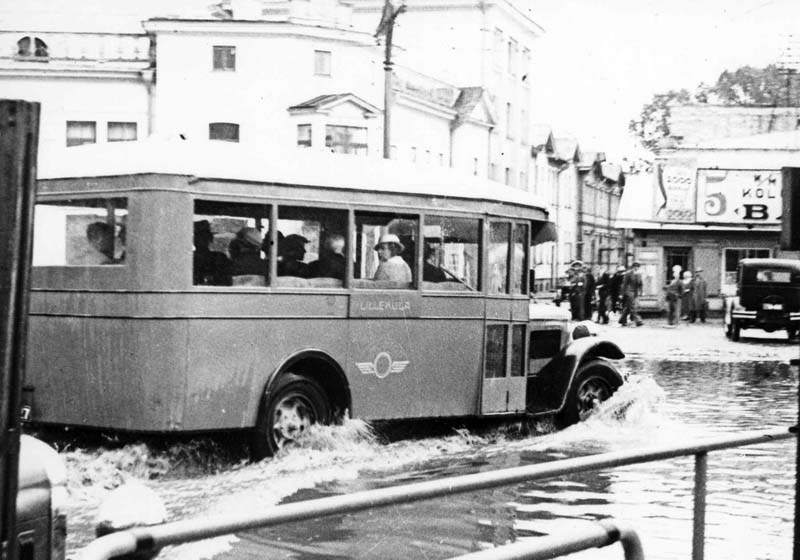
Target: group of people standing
x,y
686,296
617,292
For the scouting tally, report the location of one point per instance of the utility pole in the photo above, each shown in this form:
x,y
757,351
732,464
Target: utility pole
x,y
19,133
386,27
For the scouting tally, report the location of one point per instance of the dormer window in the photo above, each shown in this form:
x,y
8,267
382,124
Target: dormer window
x,y
32,48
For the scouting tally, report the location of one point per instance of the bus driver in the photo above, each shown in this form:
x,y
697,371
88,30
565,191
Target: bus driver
x,y
392,266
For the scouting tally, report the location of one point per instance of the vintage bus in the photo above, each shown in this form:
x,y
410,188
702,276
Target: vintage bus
x,y
196,287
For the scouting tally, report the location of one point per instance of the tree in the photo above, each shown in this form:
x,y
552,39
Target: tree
x,y
653,122
746,86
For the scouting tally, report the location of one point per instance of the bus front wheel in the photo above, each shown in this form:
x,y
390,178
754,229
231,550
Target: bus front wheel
x,y
287,411
594,383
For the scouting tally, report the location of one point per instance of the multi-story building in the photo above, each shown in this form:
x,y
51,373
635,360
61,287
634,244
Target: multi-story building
x,y
599,244
710,203
484,44
279,73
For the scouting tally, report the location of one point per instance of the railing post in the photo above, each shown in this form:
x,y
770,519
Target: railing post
x,y
700,477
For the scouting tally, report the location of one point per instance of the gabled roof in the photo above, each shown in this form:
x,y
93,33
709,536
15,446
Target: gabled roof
x,y
589,159
613,173
468,99
542,138
326,102
567,149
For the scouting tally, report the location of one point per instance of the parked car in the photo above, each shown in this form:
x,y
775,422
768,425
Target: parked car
x,y
41,500
767,297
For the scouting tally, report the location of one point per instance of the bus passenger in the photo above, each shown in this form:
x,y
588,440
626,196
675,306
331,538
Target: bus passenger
x,y
331,262
211,268
291,252
392,266
101,238
245,250
431,272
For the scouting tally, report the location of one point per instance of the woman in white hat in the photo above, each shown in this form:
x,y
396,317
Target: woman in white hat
x,y
392,266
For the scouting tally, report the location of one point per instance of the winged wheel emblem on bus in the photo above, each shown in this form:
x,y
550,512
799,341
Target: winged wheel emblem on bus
x,y
382,366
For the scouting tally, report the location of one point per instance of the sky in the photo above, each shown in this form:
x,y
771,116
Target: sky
x,y
599,61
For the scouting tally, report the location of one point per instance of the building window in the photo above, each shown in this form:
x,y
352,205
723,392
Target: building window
x,y
526,67
507,178
224,58
512,57
414,154
346,139
304,135
322,63
441,159
228,132
474,166
493,171
32,48
81,132
509,120
522,181
498,48
428,157
121,131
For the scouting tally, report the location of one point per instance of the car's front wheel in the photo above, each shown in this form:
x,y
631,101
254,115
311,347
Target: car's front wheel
x,y
594,383
287,411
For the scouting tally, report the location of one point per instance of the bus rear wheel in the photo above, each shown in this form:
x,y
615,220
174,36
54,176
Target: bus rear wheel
x,y
594,383
287,411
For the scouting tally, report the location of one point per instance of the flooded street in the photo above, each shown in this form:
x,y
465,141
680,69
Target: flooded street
x,y
710,387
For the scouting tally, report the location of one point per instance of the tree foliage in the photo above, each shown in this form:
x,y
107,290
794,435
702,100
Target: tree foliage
x,y
746,86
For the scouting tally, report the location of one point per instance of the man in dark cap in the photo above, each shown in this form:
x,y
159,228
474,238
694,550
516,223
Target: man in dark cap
x,y
577,291
291,252
631,290
211,268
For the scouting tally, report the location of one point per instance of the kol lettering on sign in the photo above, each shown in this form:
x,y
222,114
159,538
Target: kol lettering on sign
x,y
739,196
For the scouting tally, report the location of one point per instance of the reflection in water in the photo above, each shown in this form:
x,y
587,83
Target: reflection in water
x,y
750,490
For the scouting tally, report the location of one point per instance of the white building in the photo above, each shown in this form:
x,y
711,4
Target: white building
x,y
282,72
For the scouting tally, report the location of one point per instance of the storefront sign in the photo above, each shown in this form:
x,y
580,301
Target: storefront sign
x,y
737,196
675,191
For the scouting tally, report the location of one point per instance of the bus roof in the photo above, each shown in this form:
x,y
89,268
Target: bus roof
x,y
237,162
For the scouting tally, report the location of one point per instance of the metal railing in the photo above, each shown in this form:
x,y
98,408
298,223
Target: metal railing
x,y
153,538
600,534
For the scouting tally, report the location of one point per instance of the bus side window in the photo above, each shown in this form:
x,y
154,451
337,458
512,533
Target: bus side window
x,y
451,253
80,232
519,282
230,244
385,246
311,247
499,239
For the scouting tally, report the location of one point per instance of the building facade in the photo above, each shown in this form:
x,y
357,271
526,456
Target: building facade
x,y
278,73
707,206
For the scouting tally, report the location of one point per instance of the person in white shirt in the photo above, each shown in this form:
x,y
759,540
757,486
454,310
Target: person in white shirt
x,y
392,266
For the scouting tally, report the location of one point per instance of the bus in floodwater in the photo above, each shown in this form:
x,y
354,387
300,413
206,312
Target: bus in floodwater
x,y
205,287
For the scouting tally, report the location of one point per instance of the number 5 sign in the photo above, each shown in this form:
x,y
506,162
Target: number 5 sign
x,y
738,196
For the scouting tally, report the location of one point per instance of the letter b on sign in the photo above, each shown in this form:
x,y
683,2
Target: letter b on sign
x,y
790,223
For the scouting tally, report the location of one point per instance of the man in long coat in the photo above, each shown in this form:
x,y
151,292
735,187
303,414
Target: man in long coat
x,y
699,295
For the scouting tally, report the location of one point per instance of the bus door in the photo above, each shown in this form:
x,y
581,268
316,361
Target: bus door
x,y
504,381
505,336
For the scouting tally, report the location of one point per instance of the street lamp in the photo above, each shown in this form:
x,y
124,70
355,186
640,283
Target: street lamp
x,y
386,27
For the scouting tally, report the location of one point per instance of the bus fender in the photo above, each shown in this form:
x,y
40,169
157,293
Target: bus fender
x,y
321,367
548,390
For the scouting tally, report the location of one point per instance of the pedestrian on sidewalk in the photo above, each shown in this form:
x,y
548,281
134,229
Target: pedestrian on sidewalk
x,y
631,290
577,292
602,297
674,295
588,297
687,300
615,288
699,295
